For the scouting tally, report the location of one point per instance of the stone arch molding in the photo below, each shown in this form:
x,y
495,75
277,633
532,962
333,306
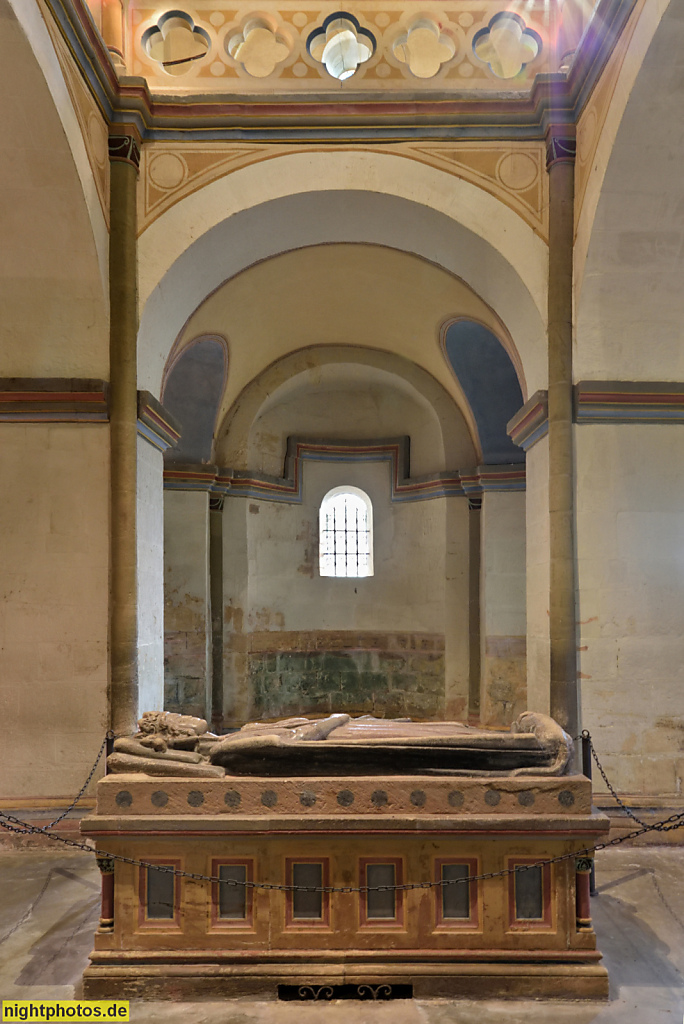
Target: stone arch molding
x,y
34,27
304,199
232,435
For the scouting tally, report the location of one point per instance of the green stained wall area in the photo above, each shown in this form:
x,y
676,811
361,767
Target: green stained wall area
x,y
383,682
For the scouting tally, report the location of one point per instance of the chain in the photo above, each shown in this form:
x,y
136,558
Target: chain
x,y
80,792
10,823
587,735
16,825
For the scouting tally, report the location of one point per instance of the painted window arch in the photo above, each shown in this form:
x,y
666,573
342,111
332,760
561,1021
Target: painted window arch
x,y
346,533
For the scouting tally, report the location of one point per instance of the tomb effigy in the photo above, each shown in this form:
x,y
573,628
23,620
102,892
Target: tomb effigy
x,y
352,852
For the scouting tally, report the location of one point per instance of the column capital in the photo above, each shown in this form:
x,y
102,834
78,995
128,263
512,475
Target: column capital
x,y
105,862
124,145
561,144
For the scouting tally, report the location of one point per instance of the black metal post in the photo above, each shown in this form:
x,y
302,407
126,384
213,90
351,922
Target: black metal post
x,y
109,749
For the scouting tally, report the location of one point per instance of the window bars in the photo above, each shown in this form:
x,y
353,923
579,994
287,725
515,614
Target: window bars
x,y
345,534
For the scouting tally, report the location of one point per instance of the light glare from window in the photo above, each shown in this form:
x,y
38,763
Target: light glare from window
x,y
346,527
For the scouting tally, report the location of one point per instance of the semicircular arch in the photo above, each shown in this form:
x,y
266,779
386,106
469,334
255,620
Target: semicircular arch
x,y
459,437
301,200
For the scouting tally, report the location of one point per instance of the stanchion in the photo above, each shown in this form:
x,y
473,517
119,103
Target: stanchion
x,y
109,748
586,771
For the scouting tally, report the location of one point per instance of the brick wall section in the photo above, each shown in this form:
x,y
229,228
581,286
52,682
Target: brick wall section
x,y
185,672
386,674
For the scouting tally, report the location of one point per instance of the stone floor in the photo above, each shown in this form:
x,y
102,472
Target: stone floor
x,y
49,905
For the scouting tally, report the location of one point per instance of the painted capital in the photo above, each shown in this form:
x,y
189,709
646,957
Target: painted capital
x,y
583,864
105,863
561,147
125,148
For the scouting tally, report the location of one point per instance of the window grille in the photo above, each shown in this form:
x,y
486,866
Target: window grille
x,y
346,533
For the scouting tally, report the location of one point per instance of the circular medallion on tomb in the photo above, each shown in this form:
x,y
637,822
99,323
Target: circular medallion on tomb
x,y
492,797
195,798
232,798
307,798
269,798
379,798
159,798
566,798
418,798
345,798
455,798
123,798
526,798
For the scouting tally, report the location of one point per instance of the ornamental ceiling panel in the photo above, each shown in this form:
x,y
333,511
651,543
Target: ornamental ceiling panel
x,y
463,46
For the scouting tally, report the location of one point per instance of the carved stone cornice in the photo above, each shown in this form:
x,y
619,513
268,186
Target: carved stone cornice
x,y
625,401
155,424
393,115
248,484
53,400
531,422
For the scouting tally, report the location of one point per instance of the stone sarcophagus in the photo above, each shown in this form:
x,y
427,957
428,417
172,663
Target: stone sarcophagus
x,y
425,881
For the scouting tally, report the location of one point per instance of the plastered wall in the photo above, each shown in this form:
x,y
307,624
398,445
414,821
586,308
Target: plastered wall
x,y
538,568
54,551
502,601
149,537
296,641
187,627
54,309
630,557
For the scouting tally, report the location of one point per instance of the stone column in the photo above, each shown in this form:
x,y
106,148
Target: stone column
x,y
124,155
216,595
564,696
474,566
113,30
583,868
106,865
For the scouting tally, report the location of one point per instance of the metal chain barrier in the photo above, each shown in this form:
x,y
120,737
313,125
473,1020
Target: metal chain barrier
x,y
80,792
10,823
15,825
587,735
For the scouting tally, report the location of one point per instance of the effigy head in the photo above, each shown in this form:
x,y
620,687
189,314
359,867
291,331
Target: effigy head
x,y
170,726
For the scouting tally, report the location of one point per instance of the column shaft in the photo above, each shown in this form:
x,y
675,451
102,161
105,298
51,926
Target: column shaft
x,y
216,592
123,695
562,624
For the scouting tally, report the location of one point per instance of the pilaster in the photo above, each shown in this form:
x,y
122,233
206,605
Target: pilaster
x,y
564,696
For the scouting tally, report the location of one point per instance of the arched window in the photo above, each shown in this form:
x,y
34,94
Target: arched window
x,y
346,533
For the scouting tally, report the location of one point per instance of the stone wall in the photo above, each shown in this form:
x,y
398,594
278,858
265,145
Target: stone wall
x,y
150,545
186,603
298,642
384,674
502,597
630,557
54,551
